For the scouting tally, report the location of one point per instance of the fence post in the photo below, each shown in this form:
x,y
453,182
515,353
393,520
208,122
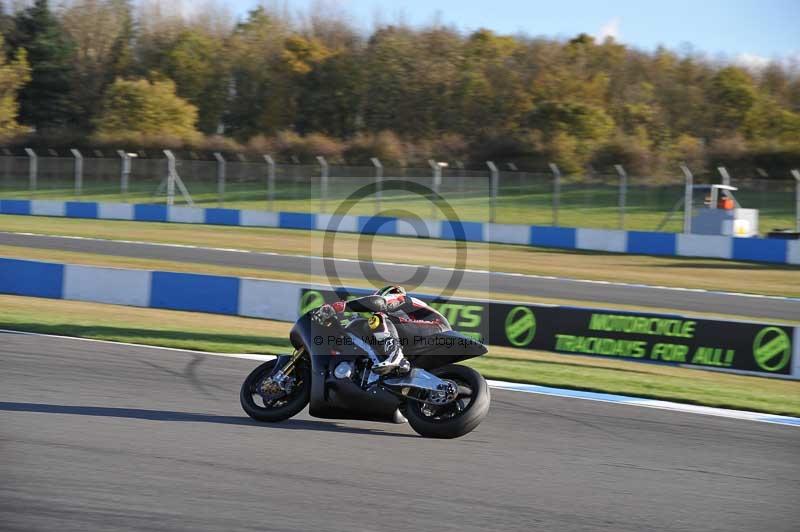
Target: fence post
x,y
220,178
796,175
461,178
556,191
171,171
125,171
687,199
78,171
270,182
494,185
623,193
33,168
378,183
437,183
6,163
726,177
323,182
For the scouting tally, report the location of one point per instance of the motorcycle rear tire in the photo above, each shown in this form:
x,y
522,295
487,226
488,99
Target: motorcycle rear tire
x,y
463,423
281,413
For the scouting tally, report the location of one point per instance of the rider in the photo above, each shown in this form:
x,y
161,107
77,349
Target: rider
x,y
392,309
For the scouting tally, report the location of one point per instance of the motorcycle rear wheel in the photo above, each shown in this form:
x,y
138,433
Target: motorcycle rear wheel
x,y
279,410
461,416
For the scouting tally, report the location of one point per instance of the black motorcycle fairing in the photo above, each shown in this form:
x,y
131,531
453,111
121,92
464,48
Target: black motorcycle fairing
x,y
334,398
441,349
346,400
297,334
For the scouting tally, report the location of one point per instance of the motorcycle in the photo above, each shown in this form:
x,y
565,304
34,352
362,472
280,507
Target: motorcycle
x,y
330,371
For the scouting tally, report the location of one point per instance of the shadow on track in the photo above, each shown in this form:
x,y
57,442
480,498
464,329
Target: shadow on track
x,y
166,415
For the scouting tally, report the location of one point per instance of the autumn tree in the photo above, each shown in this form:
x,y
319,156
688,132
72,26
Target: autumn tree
x,y
490,93
260,90
6,20
314,81
767,121
45,102
197,62
142,110
731,94
331,94
99,31
410,80
13,76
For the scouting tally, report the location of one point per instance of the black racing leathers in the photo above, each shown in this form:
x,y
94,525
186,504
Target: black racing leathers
x,y
401,316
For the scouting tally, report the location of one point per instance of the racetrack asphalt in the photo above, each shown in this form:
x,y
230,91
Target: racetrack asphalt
x,y
97,436
493,282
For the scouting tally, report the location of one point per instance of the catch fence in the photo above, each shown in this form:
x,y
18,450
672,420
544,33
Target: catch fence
x,y
495,193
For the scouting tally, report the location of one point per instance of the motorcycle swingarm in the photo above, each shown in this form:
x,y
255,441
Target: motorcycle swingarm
x,y
423,386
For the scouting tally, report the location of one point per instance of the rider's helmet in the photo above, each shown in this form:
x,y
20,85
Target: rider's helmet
x,y
391,290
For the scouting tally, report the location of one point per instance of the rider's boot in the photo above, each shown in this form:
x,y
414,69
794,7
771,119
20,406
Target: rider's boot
x,y
394,359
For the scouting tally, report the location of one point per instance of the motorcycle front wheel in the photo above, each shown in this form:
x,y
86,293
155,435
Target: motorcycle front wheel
x,y
279,408
459,417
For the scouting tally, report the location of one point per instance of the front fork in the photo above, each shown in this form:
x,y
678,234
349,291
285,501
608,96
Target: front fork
x,y
281,376
287,369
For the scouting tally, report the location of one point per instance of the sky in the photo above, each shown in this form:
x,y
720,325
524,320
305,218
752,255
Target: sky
x,y
748,31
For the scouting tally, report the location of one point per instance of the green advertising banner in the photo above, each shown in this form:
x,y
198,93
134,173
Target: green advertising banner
x,y
671,339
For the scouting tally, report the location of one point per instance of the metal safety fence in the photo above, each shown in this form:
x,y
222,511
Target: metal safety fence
x,y
613,200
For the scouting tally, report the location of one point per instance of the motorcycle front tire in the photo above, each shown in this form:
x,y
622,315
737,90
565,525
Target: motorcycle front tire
x,y
298,401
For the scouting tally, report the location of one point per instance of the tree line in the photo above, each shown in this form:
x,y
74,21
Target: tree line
x,y
103,72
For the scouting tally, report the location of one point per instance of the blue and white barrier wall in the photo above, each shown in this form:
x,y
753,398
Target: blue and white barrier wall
x,y
759,348
778,251
142,288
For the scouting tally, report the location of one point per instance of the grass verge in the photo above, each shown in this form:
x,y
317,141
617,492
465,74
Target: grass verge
x,y
681,272
225,334
580,204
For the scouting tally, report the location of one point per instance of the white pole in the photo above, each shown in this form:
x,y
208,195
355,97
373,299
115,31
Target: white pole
x,y
623,193
78,171
437,182
687,199
323,172
556,191
33,168
172,170
796,175
378,183
220,178
726,177
270,182
125,171
494,185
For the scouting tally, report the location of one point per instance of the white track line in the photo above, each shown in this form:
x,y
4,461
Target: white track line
x,y
144,346
438,268
508,386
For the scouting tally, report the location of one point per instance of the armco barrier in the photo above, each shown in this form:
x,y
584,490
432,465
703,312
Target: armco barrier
x,y
778,251
759,348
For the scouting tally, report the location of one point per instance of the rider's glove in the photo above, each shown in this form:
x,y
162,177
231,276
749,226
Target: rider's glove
x,y
325,313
